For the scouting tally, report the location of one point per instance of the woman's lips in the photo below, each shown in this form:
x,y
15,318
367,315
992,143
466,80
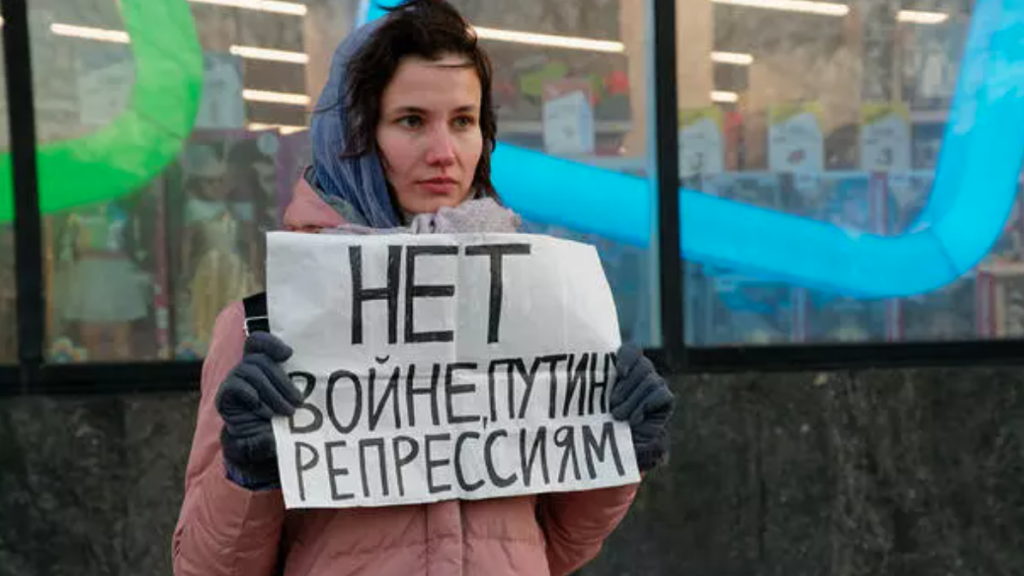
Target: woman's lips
x,y
440,186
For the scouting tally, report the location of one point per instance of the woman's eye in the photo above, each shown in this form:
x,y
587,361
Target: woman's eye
x,y
465,122
411,122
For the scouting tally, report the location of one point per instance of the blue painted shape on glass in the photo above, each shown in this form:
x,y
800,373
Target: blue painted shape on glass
x,y
370,10
973,194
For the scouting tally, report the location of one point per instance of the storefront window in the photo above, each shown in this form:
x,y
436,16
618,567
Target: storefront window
x,y
191,162
816,131
570,87
167,149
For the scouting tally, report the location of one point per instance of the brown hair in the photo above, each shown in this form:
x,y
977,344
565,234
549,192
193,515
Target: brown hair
x,y
427,29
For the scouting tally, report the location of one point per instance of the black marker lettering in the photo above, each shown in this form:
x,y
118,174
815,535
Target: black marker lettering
x,y
390,395
565,438
414,291
333,472
496,252
459,474
431,463
553,361
430,392
301,467
451,390
491,392
576,384
528,379
489,460
595,385
307,389
510,389
402,461
592,448
388,293
540,446
377,443
357,403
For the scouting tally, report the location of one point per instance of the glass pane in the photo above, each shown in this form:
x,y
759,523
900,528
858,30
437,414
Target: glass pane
x,y
584,101
189,154
810,142
148,104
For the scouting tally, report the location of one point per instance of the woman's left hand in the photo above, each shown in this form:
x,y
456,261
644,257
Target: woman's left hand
x,y
642,398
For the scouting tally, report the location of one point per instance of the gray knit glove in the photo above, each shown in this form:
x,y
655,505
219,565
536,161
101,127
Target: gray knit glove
x,y
255,390
642,398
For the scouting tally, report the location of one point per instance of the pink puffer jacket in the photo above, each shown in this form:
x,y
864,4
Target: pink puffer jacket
x,y
227,530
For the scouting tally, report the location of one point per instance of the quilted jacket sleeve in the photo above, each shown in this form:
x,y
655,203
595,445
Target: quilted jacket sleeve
x,y
577,523
223,528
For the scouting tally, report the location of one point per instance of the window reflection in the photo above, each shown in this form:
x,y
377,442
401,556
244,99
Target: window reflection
x,y
834,115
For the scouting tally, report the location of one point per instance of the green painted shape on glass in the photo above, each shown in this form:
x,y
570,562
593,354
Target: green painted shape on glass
x,y
141,141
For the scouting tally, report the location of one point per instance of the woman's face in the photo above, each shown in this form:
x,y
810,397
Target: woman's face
x,y
429,132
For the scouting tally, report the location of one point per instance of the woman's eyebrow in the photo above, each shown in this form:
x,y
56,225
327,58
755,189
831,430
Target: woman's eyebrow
x,y
408,110
465,64
403,110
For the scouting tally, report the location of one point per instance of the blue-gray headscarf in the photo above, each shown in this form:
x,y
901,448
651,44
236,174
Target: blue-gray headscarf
x,y
354,186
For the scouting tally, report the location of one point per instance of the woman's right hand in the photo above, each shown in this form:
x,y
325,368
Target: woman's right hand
x,y
255,391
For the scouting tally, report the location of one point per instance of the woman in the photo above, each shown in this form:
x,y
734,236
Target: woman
x,y
402,137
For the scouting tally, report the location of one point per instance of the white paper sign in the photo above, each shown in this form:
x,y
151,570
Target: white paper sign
x,y
438,367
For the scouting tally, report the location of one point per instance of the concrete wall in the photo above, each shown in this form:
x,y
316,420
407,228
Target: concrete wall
x,y
828,474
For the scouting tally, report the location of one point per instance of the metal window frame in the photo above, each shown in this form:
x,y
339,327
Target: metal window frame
x,y
33,375
28,258
662,24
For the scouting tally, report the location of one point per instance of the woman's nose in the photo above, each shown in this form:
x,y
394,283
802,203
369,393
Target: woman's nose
x,y
441,148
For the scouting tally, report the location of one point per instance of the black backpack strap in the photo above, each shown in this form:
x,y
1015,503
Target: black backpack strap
x,y
256,319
